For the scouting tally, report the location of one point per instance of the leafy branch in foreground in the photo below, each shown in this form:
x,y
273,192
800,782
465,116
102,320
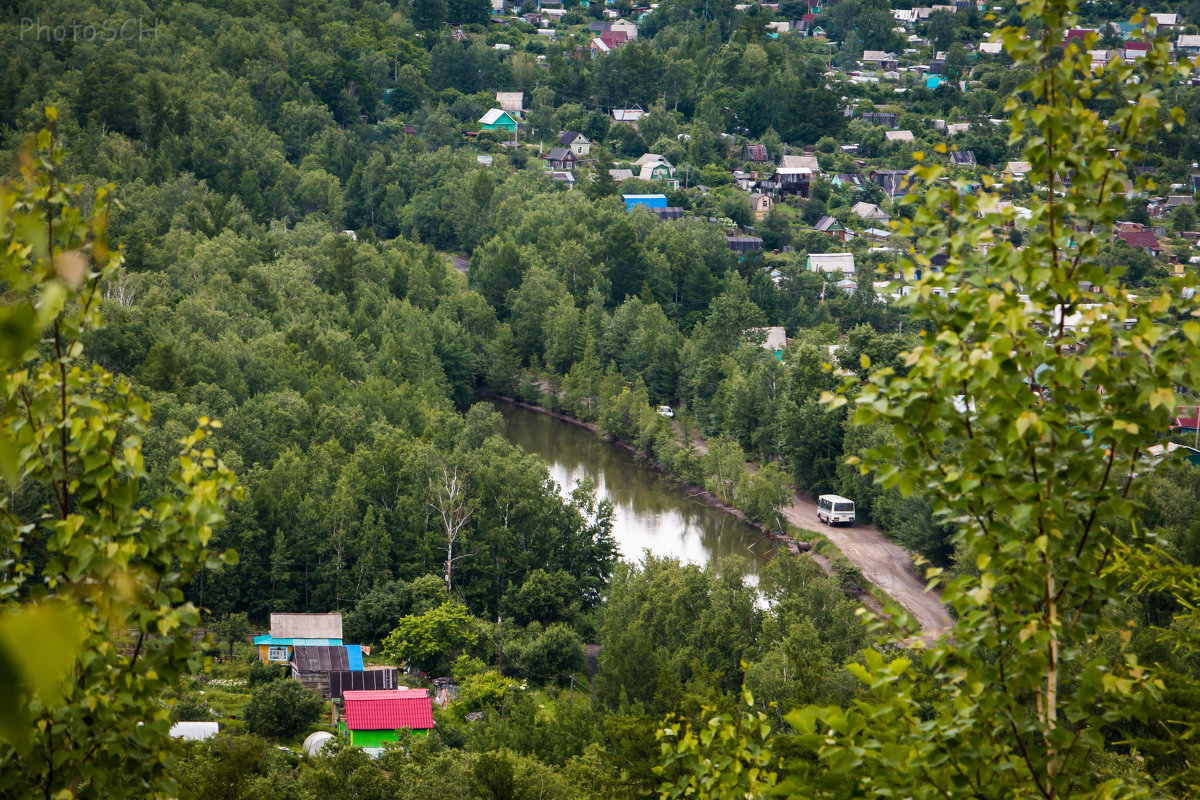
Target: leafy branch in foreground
x,y
93,626
1024,413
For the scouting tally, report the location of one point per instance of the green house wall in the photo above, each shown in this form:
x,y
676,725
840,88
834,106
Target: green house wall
x,y
506,122
373,738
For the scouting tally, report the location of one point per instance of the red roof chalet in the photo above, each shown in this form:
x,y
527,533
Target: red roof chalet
x,y
388,710
613,39
1144,240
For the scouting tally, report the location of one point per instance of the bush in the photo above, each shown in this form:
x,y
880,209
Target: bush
x,y
282,709
848,576
190,708
264,673
545,655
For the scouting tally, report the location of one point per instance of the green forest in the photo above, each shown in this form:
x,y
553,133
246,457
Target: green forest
x,y
262,270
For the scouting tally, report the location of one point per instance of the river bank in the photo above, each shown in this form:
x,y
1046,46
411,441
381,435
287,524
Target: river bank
x,y
694,491
880,563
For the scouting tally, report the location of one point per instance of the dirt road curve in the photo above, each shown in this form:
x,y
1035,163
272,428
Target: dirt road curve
x,y
883,562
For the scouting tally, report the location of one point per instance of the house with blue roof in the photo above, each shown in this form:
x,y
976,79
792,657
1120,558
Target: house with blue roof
x,y
290,630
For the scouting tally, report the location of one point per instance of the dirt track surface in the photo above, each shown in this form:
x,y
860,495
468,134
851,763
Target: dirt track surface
x,y
883,562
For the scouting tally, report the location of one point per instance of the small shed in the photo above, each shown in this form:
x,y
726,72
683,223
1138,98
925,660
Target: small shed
x,y
371,719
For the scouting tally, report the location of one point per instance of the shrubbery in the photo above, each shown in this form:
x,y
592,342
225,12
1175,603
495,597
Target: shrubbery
x,y
282,709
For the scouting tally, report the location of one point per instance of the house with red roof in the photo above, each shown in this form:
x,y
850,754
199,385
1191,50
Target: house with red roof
x,y
373,718
1135,50
1142,240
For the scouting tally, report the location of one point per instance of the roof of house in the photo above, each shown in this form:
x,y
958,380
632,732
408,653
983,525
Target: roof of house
x,y
808,162
1017,167
647,171
962,157
306,626
826,224
619,175
831,262
775,337
383,710
1188,40
600,45
877,55
560,154
898,136
628,114
1140,239
651,158
613,38
279,642
756,197
567,138
867,210
510,101
493,116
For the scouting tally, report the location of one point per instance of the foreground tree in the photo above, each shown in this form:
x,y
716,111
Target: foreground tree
x,y
1036,693
80,552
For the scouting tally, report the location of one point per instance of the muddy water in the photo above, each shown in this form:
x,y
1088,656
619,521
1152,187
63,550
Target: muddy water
x,y
651,513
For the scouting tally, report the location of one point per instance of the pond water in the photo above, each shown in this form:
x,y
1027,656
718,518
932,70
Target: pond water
x,y
651,513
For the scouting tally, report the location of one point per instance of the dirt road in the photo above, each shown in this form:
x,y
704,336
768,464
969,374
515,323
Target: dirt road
x,y
883,562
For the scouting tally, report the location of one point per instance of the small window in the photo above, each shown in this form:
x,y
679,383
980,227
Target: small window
x,y
844,507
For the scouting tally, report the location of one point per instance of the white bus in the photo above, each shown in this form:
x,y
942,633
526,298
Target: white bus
x,y
833,509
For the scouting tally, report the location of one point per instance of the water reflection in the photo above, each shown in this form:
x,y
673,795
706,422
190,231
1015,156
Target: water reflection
x,y
650,512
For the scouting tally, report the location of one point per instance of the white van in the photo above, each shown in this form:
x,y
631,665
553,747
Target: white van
x,y
832,509
665,411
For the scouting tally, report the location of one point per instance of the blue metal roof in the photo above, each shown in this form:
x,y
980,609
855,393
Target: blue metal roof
x,y
271,640
354,654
